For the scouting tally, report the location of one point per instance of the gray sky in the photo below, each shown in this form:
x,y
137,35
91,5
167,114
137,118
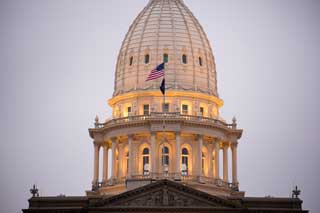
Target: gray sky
x,y
57,61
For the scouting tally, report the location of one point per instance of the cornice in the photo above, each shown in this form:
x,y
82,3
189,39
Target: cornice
x,y
169,93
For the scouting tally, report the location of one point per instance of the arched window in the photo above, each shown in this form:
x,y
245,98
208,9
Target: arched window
x,y
165,158
200,61
147,59
131,61
145,161
165,58
184,166
184,58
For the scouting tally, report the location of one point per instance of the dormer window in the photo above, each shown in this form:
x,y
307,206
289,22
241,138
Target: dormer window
x,y
165,58
131,61
147,59
184,59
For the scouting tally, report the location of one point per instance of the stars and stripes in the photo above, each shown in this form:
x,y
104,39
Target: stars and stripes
x,y
158,72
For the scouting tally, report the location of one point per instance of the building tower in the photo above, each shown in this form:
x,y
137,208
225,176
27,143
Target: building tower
x,y
193,144
172,155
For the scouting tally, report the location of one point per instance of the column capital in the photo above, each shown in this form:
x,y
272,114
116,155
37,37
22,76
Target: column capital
x,y
234,145
105,146
199,136
96,144
225,146
216,140
113,139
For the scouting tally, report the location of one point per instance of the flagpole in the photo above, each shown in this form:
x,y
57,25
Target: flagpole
x,y
163,122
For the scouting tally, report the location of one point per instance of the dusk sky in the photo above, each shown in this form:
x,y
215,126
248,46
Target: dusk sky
x,y
57,63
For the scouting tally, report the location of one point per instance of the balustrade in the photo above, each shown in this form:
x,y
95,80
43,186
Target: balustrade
x,y
166,116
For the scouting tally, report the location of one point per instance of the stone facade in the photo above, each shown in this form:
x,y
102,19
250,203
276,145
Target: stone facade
x,y
163,196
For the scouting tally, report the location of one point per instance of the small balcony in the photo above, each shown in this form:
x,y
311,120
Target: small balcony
x,y
170,116
186,179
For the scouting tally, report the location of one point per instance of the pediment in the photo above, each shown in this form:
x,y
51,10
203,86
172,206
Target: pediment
x,y
165,193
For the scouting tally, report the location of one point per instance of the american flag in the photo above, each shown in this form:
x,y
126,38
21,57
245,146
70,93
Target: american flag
x,y
158,72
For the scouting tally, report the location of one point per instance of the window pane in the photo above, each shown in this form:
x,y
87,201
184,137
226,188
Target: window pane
x,y
165,58
185,109
184,58
145,151
165,150
165,160
145,160
131,60
165,108
146,109
146,59
185,151
200,61
201,111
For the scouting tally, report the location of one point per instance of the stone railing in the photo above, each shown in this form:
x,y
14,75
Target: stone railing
x,y
173,177
111,181
164,116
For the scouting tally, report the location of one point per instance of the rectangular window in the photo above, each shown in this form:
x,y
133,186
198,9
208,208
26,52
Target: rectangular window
x,y
184,109
165,108
201,111
129,111
165,160
165,58
146,59
146,109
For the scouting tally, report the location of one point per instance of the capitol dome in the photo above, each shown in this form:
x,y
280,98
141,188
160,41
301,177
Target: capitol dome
x,y
177,134
166,30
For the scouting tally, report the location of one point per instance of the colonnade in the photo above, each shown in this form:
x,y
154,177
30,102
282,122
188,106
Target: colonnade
x,y
213,169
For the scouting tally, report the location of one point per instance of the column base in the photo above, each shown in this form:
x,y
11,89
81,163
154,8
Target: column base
x,y
235,187
177,177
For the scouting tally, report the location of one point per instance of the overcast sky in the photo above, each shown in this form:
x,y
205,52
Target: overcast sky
x,y
57,62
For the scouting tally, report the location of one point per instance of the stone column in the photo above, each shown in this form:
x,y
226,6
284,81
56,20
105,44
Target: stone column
x,y
234,164
153,153
130,149
225,163
120,161
216,158
178,157
105,163
199,155
114,158
210,150
96,164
